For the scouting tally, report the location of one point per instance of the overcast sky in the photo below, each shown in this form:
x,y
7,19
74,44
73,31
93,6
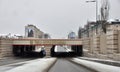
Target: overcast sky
x,y
56,17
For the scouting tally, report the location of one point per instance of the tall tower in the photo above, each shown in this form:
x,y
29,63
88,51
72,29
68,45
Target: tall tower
x,y
104,14
105,10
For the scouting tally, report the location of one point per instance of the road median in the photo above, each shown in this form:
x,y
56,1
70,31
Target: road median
x,y
38,65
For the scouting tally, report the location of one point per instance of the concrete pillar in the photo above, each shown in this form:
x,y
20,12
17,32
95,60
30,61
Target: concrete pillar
x,y
91,45
119,41
6,47
103,44
48,50
112,43
96,43
0,48
86,44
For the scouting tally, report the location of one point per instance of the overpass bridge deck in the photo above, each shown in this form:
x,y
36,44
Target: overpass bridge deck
x,y
47,41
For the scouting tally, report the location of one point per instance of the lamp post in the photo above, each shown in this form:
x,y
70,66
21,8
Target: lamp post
x,y
96,1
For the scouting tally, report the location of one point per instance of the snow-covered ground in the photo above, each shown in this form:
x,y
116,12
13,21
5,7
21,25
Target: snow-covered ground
x,y
99,59
104,61
38,65
96,66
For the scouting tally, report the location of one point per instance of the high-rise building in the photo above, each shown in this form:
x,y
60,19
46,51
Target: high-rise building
x,y
71,35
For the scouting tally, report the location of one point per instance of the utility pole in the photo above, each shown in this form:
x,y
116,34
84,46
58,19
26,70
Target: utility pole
x,y
96,1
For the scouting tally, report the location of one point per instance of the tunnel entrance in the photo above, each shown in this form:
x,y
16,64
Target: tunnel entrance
x,y
78,50
30,51
27,51
71,51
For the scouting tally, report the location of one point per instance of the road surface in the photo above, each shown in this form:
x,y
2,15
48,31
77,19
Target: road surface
x,y
63,65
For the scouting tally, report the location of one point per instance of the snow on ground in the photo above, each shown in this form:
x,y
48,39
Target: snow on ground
x,y
99,59
104,61
96,66
38,65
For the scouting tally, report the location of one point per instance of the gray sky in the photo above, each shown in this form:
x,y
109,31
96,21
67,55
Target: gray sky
x,y
56,17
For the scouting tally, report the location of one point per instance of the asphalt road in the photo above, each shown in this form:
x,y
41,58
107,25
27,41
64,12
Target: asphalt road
x,y
63,65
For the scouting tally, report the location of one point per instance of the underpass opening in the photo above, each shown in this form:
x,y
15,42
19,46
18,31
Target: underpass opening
x,y
78,50
28,51
42,50
21,47
66,51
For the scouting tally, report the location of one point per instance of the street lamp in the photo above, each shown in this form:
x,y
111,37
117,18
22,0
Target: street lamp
x,y
96,11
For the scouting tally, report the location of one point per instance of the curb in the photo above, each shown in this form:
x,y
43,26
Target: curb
x,y
82,65
108,62
47,69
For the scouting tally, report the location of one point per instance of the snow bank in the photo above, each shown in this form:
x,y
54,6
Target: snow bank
x,y
99,59
39,65
97,66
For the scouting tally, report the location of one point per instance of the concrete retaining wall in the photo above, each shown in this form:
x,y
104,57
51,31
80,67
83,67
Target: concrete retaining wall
x,y
6,48
104,46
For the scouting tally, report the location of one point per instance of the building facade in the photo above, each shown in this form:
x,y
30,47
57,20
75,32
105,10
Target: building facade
x,y
33,31
71,35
